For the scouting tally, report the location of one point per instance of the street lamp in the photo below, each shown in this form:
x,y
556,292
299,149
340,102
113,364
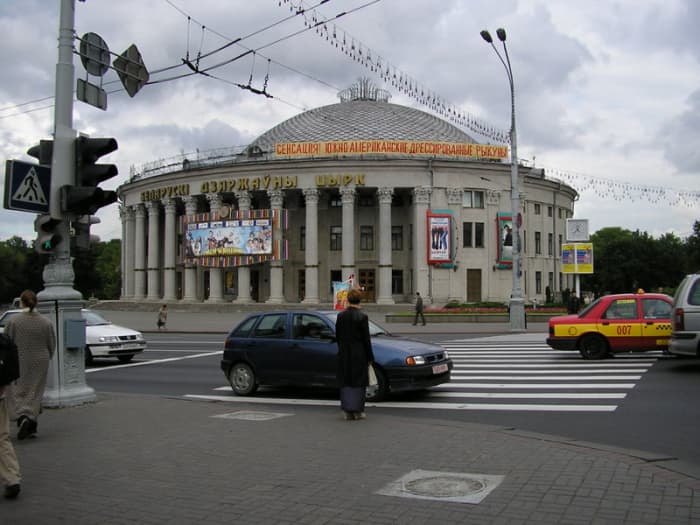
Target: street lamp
x,y
516,306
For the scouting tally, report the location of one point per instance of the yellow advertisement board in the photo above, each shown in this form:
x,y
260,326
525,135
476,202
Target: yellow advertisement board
x,y
577,257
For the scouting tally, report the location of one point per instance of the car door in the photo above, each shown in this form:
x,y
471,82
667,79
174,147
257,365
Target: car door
x,y
656,324
313,350
621,325
268,348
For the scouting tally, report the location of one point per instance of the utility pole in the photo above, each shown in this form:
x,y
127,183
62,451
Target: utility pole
x,y
66,384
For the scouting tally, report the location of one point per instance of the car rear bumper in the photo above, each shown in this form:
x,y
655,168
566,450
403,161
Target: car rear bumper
x,y
685,344
563,343
417,378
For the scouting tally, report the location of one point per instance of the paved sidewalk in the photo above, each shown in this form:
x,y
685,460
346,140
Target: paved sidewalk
x,y
149,459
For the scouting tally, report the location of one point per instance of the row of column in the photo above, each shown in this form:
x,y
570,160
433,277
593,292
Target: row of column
x,y
140,261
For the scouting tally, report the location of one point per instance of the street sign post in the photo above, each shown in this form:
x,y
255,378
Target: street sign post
x,y
27,187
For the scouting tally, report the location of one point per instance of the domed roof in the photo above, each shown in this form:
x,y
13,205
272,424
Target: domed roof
x,y
361,115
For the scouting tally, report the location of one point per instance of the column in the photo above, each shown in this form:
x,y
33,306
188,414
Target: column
x,y
311,253
385,195
127,264
347,195
216,275
457,280
276,276
243,197
140,253
153,250
190,292
170,242
421,278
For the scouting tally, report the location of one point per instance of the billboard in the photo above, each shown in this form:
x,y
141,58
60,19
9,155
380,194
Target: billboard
x,y
504,241
439,238
241,239
577,257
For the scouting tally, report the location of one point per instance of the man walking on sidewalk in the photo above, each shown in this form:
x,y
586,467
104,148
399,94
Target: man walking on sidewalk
x,y
419,310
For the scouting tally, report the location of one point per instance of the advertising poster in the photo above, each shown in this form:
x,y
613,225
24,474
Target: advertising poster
x,y
340,294
577,257
231,237
439,238
504,243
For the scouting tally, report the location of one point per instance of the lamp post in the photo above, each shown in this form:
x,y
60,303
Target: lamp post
x,y
516,305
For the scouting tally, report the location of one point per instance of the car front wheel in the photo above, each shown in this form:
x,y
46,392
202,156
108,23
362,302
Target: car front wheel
x,y
242,379
88,356
593,346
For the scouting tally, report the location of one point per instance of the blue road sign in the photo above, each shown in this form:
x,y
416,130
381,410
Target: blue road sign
x,y
27,186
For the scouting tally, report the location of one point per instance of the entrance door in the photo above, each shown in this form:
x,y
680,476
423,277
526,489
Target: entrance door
x,y
474,285
302,284
255,285
366,282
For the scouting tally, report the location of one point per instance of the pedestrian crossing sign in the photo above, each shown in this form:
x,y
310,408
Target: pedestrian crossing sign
x,y
27,186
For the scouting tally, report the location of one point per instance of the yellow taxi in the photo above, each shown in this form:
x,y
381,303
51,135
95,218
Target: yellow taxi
x,y
615,323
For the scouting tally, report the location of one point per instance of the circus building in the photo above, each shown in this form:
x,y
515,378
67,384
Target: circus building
x,y
393,198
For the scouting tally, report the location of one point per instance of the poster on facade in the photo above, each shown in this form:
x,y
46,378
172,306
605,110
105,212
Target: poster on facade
x,y
340,294
504,241
439,238
237,237
577,257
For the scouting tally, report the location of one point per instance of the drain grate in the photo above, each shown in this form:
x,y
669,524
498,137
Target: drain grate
x,y
443,486
249,415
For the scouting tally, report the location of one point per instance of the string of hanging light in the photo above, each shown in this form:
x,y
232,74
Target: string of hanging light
x,y
389,73
625,191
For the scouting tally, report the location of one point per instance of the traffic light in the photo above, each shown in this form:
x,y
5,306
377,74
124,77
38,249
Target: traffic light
x,y
85,198
42,152
48,238
81,232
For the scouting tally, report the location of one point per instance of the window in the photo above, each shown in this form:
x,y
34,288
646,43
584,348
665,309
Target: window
x,y
466,235
244,329
538,210
366,238
308,326
478,235
336,238
302,238
656,309
335,201
524,236
559,211
472,199
273,325
561,240
550,244
550,281
538,282
366,200
550,211
397,238
397,281
621,309
538,243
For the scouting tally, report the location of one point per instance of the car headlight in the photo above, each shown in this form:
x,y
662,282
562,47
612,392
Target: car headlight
x,y
415,360
447,356
109,339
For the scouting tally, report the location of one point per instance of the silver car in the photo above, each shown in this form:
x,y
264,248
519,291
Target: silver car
x,y
685,337
102,337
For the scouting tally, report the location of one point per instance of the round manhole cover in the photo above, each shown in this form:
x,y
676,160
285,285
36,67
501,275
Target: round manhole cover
x,y
444,486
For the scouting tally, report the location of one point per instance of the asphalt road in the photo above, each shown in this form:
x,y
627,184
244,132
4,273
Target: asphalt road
x,y
659,414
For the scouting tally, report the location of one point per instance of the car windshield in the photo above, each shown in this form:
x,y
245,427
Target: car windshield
x,y
588,308
6,318
93,319
374,328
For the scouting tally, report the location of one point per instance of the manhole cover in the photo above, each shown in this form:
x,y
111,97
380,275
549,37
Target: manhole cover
x,y
248,415
443,486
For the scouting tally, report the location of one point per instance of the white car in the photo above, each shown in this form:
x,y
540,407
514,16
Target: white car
x,y
102,337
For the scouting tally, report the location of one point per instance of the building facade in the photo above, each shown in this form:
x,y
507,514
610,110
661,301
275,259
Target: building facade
x,y
395,198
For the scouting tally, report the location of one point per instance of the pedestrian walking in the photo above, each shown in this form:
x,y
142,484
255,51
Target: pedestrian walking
x,y
419,310
162,317
9,371
354,357
35,338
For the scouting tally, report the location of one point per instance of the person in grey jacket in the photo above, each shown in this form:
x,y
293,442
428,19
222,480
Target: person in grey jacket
x,y
419,310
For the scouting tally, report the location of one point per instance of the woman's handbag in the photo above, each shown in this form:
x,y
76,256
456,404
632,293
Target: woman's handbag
x,y
372,375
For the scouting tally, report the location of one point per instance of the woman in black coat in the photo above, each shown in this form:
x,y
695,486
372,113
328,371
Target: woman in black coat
x,y
354,357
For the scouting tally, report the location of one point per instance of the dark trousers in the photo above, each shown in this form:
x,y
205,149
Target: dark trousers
x,y
415,321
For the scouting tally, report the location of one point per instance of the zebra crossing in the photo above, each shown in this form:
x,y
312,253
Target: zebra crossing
x,y
509,374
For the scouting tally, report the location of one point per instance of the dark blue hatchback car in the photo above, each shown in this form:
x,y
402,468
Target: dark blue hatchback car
x,y
298,348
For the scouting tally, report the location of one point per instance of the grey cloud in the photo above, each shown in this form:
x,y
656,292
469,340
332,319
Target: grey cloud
x,y
681,136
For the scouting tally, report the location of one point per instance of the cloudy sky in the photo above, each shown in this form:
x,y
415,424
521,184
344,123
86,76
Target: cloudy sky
x,y
607,91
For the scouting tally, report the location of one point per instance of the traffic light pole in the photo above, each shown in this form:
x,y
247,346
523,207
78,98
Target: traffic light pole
x,y
66,384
